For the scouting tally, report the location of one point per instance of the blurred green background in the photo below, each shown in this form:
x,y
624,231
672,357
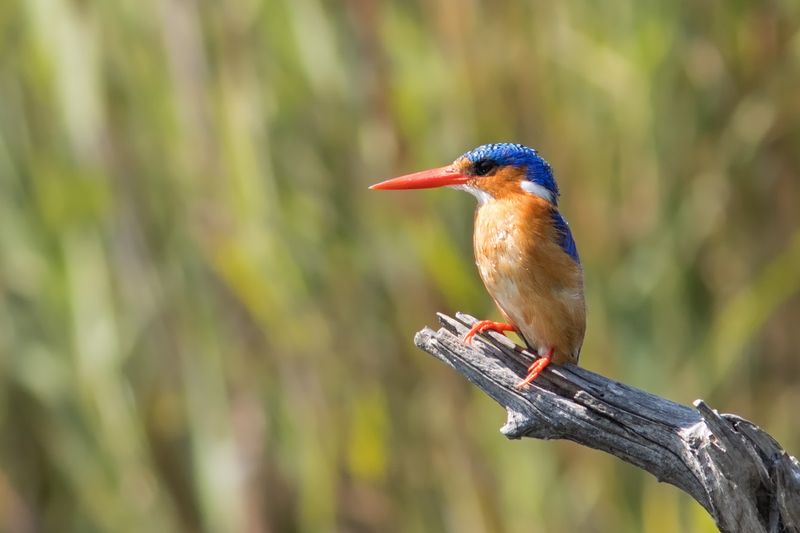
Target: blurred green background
x,y
206,318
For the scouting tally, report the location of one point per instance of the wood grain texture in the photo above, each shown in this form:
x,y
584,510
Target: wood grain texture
x,y
735,470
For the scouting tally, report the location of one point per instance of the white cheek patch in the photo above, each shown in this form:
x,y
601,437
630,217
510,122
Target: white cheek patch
x,y
481,195
536,189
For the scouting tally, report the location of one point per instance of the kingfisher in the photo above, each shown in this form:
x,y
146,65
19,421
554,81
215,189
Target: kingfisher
x,y
524,249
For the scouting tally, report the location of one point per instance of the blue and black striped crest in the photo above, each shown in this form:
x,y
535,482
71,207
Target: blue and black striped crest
x,y
510,154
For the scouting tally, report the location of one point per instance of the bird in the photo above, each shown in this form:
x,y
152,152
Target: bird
x,y
524,249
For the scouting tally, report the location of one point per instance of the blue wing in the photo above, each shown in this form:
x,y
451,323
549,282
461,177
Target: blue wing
x,y
565,239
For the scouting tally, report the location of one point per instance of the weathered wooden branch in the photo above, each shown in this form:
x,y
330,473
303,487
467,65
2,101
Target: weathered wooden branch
x,y
735,470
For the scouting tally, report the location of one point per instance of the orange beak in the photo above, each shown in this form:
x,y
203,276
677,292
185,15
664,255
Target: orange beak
x,y
427,179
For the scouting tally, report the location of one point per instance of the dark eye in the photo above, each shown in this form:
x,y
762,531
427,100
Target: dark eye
x,y
482,167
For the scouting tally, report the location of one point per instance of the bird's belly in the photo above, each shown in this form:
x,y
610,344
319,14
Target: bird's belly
x,y
540,293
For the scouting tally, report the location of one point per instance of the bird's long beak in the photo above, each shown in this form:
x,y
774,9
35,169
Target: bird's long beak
x,y
426,179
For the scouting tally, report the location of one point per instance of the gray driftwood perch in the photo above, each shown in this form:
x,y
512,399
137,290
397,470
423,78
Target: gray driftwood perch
x,y
735,470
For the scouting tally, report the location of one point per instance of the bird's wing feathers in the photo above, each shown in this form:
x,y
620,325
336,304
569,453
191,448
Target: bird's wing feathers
x,y
566,241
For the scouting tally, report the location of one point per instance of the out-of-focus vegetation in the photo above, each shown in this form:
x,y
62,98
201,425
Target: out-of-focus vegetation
x,y
206,317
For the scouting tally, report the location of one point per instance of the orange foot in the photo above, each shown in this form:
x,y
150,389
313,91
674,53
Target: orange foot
x,y
487,325
535,369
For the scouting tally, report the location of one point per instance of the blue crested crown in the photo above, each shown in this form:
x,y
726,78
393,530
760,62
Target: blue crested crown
x,y
509,154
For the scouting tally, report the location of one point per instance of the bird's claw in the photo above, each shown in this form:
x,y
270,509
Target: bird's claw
x,y
483,326
535,369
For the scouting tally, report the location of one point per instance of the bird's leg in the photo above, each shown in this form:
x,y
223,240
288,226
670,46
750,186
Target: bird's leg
x,y
536,368
487,325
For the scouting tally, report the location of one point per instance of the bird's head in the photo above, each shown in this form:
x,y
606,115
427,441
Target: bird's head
x,y
490,171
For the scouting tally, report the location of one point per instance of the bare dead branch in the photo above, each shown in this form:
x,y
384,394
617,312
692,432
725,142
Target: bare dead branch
x,y
735,470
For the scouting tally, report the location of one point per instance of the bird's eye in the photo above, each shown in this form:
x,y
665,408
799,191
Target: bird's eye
x,y
482,167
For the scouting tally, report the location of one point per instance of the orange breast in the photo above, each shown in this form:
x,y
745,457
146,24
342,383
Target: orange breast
x,y
537,286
